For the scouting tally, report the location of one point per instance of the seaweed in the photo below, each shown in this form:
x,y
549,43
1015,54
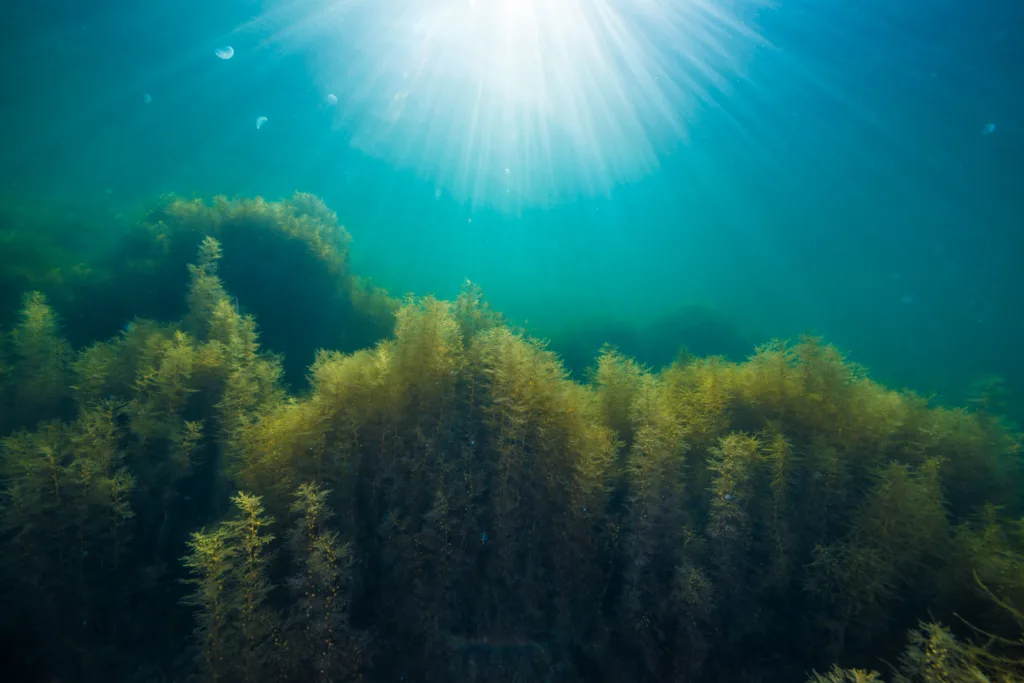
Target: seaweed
x,y
235,628
36,378
436,484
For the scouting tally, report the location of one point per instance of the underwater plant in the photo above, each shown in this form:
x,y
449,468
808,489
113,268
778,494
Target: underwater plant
x,y
66,519
284,262
934,654
210,560
322,645
442,488
235,628
838,675
899,535
473,313
35,381
51,247
618,379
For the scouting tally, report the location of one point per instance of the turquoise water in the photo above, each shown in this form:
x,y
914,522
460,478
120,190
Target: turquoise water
x,y
799,166
678,178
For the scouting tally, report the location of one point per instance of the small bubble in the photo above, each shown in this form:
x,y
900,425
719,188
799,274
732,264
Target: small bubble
x,y
988,129
332,99
226,52
260,121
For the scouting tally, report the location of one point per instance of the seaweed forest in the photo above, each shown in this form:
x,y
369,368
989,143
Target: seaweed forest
x,y
226,458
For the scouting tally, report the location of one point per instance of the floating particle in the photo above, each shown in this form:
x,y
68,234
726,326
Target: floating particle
x,y
483,537
988,129
226,52
728,496
147,98
907,299
260,121
332,99
507,171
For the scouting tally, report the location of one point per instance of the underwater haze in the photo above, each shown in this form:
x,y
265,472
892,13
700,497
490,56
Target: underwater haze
x,y
272,279
797,166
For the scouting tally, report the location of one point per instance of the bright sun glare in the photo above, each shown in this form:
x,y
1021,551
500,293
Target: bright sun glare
x,y
522,101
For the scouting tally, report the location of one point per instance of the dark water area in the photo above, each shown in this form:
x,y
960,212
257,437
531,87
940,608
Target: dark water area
x,y
511,341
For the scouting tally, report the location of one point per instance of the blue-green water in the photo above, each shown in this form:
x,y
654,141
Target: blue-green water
x,y
679,178
834,178
846,171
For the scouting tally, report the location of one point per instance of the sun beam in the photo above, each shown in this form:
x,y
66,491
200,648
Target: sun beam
x,y
512,102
